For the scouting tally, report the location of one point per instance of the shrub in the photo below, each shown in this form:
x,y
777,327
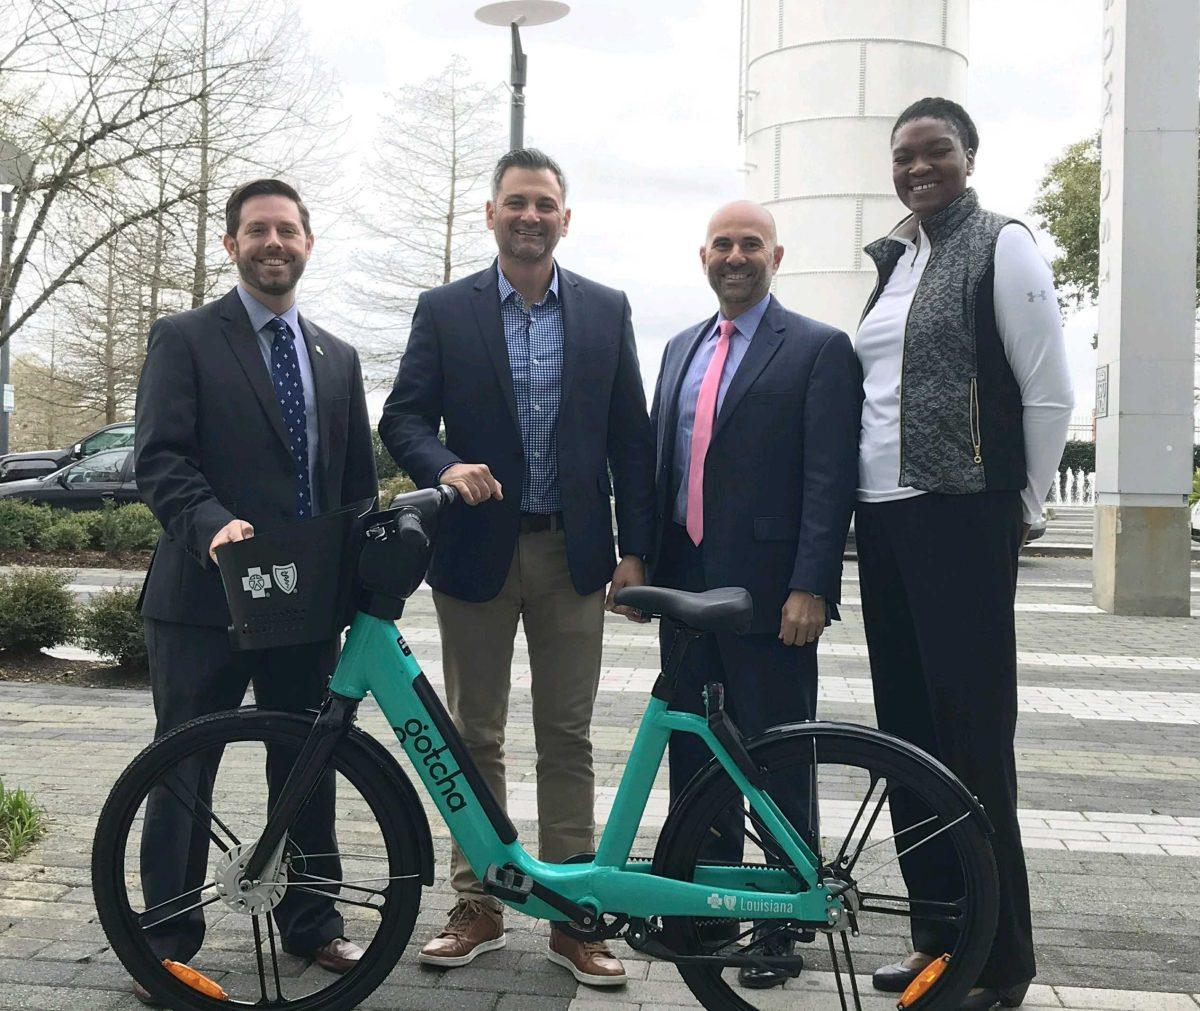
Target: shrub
x,y
1194,497
109,623
22,822
66,532
21,523
385,466
36,609
394,486
125,528
1079,455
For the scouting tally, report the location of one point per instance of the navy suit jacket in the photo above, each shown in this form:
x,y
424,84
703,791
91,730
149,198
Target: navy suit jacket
x,y
455,371
781,471
210,446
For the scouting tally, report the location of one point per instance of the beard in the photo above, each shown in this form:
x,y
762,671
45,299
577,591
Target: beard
x,y
529,250
267,280
750,293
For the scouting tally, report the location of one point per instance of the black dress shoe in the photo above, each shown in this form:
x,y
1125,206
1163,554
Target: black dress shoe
x,y
895,978
990,997
761,977
714,934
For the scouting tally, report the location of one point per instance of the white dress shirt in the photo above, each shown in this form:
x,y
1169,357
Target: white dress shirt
x,y
1031,331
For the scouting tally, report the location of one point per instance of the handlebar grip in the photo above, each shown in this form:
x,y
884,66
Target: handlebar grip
x,y
449,494
408,524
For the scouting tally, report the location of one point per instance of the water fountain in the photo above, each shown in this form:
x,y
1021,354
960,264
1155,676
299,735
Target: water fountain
x,y
1073,488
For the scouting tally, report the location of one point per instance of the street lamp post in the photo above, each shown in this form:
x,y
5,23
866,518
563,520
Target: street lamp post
x,y
513,14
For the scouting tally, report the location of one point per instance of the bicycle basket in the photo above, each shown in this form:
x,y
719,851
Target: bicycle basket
x,y
292,584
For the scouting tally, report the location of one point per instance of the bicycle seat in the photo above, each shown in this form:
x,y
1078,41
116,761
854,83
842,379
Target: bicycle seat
x,y
728,609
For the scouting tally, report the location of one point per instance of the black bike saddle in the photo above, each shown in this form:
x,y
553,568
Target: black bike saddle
x,y
728,609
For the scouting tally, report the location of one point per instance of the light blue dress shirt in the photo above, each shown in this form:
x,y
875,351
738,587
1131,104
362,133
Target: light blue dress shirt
x,y
534,338
739,342
260,316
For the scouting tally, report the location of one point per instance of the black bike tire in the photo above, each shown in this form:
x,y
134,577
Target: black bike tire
x,y
351,759
687,824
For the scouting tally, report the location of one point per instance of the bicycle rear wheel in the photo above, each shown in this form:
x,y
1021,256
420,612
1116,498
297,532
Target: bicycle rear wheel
x,y
855,777
371,879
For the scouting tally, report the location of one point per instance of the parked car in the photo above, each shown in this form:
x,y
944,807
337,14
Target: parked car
x,y
85,484
40,462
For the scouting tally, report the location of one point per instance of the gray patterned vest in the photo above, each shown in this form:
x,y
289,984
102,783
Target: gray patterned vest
x,y
960,405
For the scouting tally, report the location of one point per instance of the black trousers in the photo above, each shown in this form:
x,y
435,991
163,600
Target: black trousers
x,y
938,577
766,683
194,671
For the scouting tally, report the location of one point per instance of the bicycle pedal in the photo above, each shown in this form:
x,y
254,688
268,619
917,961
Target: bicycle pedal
x,y
507,883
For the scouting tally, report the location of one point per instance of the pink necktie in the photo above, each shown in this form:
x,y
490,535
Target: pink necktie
x,y
706,412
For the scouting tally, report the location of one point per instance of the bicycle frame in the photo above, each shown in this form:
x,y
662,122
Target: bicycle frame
x,y
376,659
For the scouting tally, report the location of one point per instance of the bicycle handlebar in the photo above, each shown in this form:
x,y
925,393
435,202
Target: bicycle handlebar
x,y
426,501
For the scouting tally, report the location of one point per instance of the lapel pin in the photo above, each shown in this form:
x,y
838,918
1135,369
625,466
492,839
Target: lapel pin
x,y
318,347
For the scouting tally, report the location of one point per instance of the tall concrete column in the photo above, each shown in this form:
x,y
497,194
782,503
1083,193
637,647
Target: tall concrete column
x,y
822,83
1151,51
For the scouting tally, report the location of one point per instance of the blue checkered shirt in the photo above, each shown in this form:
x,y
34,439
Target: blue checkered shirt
x,y
535,355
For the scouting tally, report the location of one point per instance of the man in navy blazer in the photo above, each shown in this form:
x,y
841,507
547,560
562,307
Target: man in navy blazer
x,y
757,416
217,457
534,372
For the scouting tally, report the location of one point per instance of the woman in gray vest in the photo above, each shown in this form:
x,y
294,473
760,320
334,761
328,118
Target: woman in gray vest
x,y
967,401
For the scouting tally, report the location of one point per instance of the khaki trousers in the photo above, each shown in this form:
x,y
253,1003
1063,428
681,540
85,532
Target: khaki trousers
x,y
564,631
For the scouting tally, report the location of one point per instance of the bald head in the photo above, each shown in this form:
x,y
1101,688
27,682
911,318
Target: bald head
x,y
743,214
740,255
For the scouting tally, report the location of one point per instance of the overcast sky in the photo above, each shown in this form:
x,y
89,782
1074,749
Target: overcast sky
x,y
637,99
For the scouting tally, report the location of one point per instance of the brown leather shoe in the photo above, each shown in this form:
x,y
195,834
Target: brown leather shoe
x,y
473,928
144,995
589,962
338,955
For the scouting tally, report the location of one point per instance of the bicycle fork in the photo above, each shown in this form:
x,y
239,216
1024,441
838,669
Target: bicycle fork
x,y
330,729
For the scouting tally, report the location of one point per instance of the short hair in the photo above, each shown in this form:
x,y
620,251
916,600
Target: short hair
x,y
527,158
950,113
261,188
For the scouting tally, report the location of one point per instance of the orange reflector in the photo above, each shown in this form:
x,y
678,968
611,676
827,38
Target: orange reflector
x,y
196,980
920,986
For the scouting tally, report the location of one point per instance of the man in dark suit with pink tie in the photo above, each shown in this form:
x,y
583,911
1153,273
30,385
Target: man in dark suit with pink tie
x,y
757,419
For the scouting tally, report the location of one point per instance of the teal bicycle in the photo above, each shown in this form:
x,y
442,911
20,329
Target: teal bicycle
x,y
828,873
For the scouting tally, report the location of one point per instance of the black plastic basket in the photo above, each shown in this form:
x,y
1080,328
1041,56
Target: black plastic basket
x,y
292,584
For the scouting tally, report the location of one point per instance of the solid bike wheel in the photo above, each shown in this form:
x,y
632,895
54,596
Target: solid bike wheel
x,y
847,784
370,876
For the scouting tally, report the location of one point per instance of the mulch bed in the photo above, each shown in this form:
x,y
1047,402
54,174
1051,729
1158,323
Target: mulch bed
x,y
38,668
87,559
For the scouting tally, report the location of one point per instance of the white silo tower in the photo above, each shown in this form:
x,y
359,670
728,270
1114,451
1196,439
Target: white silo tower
x,y
822,82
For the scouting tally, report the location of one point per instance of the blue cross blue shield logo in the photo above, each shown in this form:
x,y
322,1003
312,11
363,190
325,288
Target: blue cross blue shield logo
x,y
285,577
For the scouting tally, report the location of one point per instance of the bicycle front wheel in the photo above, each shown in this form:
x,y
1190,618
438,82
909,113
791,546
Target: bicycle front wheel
x,y
865,804
351,865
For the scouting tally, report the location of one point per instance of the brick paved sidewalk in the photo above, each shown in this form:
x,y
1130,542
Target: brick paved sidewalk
x,y
1110,797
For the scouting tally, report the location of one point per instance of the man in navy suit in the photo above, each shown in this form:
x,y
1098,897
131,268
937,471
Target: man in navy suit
x,y
248,415
757,415
534,372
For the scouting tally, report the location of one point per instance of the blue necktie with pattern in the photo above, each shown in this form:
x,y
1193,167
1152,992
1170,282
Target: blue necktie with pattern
x,y
285,376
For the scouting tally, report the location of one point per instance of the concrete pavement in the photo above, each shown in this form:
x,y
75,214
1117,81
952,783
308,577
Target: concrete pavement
x,y
1110,800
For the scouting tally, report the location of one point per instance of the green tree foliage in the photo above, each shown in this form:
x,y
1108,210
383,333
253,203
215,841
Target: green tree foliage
x,y
1068,207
